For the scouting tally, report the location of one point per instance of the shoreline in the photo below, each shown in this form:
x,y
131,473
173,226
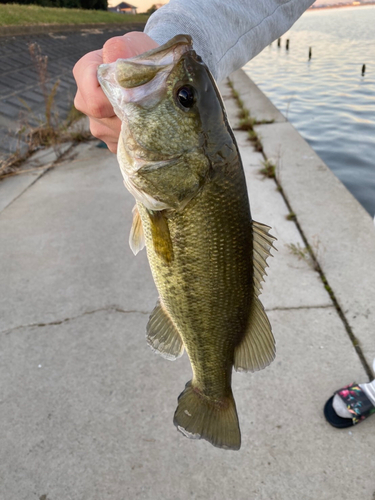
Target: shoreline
x,y
330,7
327,215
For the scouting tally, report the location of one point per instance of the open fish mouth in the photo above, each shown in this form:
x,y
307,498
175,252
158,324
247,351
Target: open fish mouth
x,y
142,79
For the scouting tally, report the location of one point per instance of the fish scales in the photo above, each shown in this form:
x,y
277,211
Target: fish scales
x,y
212,254
180,160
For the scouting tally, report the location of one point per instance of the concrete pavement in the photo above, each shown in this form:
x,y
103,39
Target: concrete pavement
x,y
86,406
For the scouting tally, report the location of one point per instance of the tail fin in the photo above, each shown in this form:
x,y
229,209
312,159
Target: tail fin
x,y
197,417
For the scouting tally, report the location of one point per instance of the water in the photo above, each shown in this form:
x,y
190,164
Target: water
x,y
327,99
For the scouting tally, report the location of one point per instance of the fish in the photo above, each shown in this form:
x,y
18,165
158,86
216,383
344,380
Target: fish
x,y
180,160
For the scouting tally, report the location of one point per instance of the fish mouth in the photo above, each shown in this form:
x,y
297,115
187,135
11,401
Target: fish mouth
x,y
141,79
138,70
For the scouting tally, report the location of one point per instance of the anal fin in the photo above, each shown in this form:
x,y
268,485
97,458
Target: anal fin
x,y
162,335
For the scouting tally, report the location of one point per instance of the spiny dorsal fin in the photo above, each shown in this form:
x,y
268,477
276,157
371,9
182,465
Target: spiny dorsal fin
x,y
257,348
262,244
162,335
161,237
136,237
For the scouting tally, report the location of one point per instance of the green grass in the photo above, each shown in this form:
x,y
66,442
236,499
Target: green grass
x,y
268,170
12,14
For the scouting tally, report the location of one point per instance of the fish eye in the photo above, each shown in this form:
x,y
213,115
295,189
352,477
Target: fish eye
x,y
186,96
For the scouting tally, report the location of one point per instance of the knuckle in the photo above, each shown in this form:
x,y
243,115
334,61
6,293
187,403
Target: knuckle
x,y
78,103
96,109
94,131
97,129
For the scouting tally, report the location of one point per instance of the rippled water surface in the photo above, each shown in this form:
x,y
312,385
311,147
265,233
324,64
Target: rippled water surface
x,y
327,99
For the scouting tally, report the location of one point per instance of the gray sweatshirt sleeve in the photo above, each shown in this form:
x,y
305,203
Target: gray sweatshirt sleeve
x,y
226,33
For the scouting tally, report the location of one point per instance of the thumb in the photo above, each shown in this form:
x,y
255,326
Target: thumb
x,y
129,45
115,48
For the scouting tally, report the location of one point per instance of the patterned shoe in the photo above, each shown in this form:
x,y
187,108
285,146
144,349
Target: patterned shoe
x,y
357,403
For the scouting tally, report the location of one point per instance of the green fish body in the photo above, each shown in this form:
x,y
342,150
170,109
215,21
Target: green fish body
x,y
180,160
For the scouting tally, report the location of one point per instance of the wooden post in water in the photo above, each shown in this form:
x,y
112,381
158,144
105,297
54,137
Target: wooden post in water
x,y
287,44
363,69
310,53
279,42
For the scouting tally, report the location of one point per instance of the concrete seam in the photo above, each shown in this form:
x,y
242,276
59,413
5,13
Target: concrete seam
x,y
66,320
47,168
29,186
296,308
327,287
317,266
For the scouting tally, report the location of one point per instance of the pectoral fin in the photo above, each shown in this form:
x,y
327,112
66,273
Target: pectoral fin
x,y
161,237
136,237
257,348
162,335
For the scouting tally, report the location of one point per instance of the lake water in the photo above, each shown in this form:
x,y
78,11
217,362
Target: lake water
x,y
327,99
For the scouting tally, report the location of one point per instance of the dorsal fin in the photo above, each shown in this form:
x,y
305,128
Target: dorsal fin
x,y
162,335
257,348
262,244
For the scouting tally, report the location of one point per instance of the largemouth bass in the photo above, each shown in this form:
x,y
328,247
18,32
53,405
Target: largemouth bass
x,y
180,160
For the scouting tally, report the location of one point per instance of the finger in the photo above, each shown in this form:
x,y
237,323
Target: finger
x,y
107,129
90,98
88,60
112,146
100,108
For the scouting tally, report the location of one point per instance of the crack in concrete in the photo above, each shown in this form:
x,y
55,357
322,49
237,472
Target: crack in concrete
x,y
66,320
43,170
296,308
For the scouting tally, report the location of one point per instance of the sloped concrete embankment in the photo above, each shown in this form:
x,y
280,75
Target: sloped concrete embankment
x,y
22,99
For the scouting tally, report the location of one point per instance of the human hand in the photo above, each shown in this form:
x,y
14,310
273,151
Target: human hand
x,y
90,98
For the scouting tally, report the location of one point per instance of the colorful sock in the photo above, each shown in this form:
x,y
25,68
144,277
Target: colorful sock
x,y
340,407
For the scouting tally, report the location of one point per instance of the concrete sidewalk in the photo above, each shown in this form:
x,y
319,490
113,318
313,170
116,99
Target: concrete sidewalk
x,y
86,407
